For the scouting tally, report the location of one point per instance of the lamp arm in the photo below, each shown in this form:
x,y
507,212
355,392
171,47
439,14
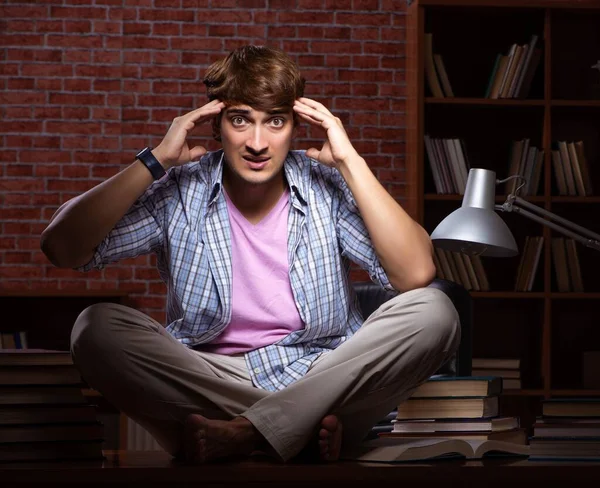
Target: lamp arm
x,y
514,204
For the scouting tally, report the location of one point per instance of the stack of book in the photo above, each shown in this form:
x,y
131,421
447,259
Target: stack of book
x,y
568,429
44,415
448,416
509,369
464,407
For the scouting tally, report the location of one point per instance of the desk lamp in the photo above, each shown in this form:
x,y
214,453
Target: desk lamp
x,y
476,229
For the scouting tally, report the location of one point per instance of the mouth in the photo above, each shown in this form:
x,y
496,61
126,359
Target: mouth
x,y
256,163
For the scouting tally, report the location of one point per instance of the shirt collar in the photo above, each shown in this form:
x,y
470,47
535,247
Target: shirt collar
x,y
296,167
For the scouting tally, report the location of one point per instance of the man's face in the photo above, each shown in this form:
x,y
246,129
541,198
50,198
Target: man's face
x,y
256,143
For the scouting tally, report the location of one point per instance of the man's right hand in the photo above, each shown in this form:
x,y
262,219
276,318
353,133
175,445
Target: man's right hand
x,y
173,150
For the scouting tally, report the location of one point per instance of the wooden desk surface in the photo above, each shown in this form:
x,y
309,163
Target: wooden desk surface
x,y
157,469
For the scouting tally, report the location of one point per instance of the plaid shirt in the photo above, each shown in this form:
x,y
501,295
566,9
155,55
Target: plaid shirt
x,y
183,219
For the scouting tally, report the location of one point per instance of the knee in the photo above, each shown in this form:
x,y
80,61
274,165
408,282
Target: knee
x,y
437,322
91,330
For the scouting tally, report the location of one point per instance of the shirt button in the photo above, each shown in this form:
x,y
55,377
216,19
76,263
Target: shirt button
x,y
257,370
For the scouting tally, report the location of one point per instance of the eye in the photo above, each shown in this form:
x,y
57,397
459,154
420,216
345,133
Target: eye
x,y
237,120
278,121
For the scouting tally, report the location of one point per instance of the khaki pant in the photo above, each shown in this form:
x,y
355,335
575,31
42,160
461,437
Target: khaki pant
x,y
155,380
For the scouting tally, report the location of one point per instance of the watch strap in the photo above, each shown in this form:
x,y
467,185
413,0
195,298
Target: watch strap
x,y
153,165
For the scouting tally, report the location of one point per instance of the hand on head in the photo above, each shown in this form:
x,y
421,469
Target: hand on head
x,y
174,149
337,148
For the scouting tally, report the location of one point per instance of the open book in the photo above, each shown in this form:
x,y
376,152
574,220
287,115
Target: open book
x,y
393,450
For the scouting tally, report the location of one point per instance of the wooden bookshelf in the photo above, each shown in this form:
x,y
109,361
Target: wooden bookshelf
x,y
547,329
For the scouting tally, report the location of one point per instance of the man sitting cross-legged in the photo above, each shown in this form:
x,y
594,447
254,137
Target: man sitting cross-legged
x,y
264,348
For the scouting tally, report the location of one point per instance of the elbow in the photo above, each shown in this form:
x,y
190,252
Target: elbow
x,y
57,252
420,277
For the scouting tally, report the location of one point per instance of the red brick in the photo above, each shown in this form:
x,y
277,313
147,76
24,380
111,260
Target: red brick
x,y
107,57
163,57
163,15
76,56
78,26
110,27
80,113
47,170
307,18
166,29
75,170
20,213
251,30
16,112
369,5
107,143
77,84
77,142
79,12
15,199
20,272
23,257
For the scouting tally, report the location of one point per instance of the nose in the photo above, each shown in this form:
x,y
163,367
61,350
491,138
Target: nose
x,y
257,141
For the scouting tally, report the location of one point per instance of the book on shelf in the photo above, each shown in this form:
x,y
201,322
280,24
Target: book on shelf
x,y
571,168
34,357
496,363
395,450
449,163
13,340
565,448
89,431
40,394
513,71
459,386
51,451
444,426
431,75
571,407
463,269
529,263
567,269
43,412
558,427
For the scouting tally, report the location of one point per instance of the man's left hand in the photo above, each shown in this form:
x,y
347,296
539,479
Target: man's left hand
x,y
337,149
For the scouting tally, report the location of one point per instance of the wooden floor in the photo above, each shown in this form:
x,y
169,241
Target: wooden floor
x,y
154,469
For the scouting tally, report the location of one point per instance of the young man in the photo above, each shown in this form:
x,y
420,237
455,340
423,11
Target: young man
x,y
264,347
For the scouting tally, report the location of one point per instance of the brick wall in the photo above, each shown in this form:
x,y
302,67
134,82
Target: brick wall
x,y
84,84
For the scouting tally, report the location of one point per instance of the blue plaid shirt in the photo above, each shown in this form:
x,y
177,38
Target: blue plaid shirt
x,y
183,219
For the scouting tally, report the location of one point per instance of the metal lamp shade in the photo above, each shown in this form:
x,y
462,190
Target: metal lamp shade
x,y
475,228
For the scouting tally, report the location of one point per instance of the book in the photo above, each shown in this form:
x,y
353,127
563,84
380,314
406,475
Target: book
x,y
565,448
571,407
34,357
51,432
515,435
46,451
434,408
394,450
46,414
496,363
494,424
45,394
40,375
459,386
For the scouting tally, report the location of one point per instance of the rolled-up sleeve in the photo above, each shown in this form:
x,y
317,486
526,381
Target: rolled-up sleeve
x,y
353,236
140,230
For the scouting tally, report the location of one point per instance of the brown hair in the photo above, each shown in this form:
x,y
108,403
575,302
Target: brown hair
x,y
264,78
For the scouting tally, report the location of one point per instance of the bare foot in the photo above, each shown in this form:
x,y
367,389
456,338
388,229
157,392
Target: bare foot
x,y
330,438
206,440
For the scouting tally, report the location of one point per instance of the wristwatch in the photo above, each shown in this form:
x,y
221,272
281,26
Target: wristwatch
x,y
146,157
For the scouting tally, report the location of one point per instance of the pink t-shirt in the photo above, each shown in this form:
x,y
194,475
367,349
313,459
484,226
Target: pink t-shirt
x,y
263,307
